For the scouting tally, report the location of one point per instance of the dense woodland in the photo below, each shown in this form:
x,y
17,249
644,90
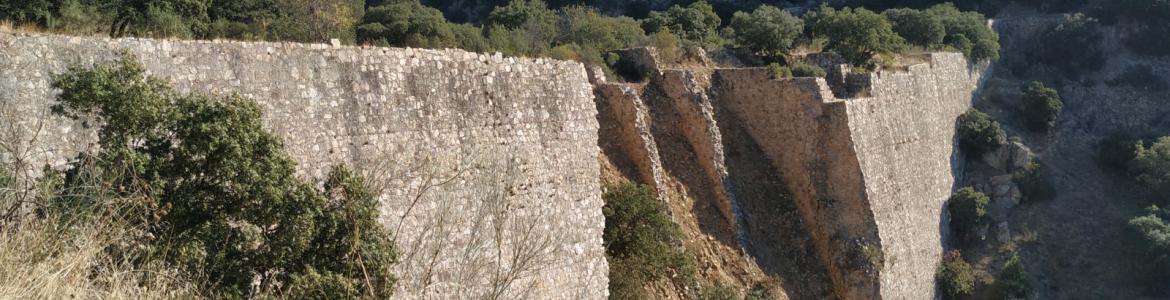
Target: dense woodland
x,y
172,181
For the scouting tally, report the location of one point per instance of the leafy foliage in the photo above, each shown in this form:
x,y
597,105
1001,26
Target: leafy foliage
x,y
857,34
1012,282
968,210
1140,76
406,23
767,30
1117,150
917,27
1151,165
968,32
1071,46
641,241
696,23
979,133
1154,230
217,194
955,276
1032,183
1042,105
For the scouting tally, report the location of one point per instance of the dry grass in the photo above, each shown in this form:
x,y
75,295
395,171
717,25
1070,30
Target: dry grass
x,y
47,259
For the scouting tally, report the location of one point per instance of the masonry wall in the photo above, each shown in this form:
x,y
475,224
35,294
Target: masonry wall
x,y
870,175
463,145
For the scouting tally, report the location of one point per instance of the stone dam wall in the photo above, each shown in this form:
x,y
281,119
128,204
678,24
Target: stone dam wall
x,y
474,153
489,166
869,174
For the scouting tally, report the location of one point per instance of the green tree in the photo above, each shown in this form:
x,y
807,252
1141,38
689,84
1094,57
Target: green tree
x,y
27,11
1154,230
857,34
406,23
917,27
967,32
1042,105
216,193
642,243
767,30
955,276
979,133
1012,282
1072,46
596,34
697,23
968,209
525,27
1151,166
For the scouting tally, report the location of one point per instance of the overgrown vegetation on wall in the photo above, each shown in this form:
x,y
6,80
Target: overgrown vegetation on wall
x,y
529,27
195,184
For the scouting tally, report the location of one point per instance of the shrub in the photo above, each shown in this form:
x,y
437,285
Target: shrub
x,y
1042,105
857,34
697,23
979,133
216,192
955,276
1012,282
779,71
1140,77
27,11
405,23
968,32
642,243
596,33
1116,151
801,69
968,209
1033,185
767,30
917,27
1151,165
531,17
1154,231
1072,46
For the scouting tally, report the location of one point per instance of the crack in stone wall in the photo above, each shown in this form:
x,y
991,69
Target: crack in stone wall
x,y
475,153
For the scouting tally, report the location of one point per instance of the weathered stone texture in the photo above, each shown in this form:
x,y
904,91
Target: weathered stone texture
x,y
488,142
870,175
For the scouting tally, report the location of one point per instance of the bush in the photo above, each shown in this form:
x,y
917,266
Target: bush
x,y
1072,46
1151,166
530,19
216,193
406,23
917,27
955,276
968,209
642,243
979,133
696,23
1012,282
779,71
801,69
1033,185
1140,77
767,30
1154,231
967,32
1116,151
857,34
596,33
1042,105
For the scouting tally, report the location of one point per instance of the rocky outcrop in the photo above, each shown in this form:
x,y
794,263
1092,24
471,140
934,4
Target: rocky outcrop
x,y
488,164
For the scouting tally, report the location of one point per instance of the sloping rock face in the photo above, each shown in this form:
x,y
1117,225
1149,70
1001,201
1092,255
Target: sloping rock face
x,y
487,164
870,175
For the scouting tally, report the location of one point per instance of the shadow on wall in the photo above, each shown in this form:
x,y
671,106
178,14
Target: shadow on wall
x,y
773,227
